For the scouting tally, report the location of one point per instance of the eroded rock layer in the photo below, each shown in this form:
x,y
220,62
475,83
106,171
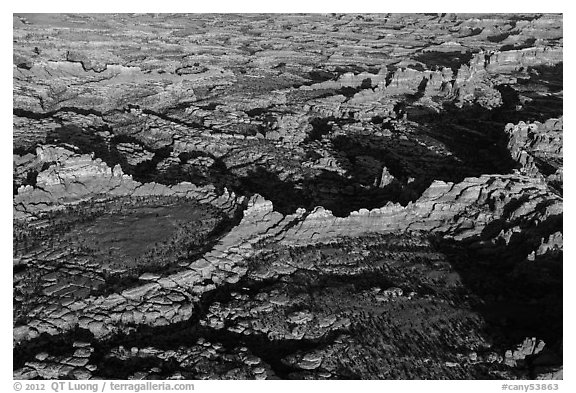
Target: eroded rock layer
x,y
288,197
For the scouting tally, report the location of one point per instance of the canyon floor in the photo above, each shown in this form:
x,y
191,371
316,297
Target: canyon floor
x,y
307,196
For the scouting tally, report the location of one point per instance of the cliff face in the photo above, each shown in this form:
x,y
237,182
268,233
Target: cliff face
x,y
297,196
538,148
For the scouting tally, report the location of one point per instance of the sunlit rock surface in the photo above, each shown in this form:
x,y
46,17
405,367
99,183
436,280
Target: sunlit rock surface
x,y
288,196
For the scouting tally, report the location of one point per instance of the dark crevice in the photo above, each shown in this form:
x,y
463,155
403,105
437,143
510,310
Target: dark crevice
x,y
499,37
438,60
529,43
57,345
87,140
163,116
320,128
45,115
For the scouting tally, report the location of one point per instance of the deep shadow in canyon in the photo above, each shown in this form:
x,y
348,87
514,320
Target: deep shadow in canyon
x,y
517,294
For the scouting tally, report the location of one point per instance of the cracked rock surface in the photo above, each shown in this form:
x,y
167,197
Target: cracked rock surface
x,y
287,197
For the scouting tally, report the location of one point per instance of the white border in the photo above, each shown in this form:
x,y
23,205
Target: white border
x,y
307,6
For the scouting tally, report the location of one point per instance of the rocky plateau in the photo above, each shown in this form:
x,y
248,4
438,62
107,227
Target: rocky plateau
x,y
276,196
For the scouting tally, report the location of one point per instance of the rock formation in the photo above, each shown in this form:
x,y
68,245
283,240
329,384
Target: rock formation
x,y
290,197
